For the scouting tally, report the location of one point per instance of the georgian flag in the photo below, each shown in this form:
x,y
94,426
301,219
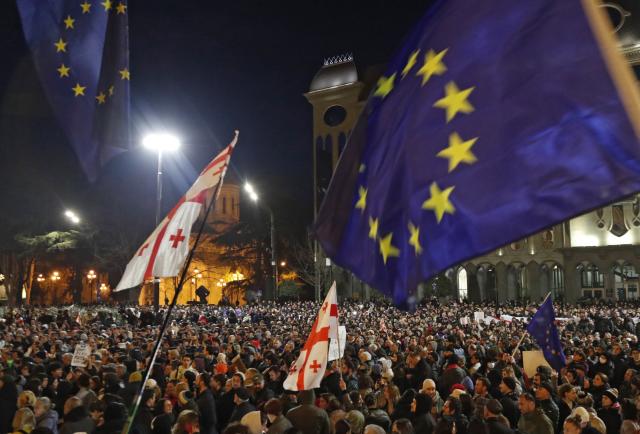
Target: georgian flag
x,y
307,372
163,253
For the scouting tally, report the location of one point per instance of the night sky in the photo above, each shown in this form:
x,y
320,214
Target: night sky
x,y
200,69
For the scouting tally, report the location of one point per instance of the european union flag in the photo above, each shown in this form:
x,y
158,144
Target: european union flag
x,y
543,328
495,120
81,51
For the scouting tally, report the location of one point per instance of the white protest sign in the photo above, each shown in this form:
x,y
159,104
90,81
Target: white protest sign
x,y
464,320
334,354
81,355
531,360
478,316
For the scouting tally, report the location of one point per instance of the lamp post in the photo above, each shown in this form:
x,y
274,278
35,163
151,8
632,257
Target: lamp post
x,y
159,143
194,280
103,289
274,263
91,276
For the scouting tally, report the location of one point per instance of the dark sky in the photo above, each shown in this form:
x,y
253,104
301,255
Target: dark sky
x,y
201,69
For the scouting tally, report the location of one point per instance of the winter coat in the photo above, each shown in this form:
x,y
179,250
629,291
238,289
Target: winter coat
x,y
279,425
611,418
510,409
307,417
535,422
8,403
551,410
77,420
207,409
48,420
497,426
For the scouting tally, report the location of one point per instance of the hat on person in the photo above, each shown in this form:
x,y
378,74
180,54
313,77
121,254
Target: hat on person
x,y
242,394
612,394
135,377
184,397
582,413
510,382
494,406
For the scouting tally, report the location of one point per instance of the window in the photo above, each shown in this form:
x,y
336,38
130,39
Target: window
x,y
463,291
591,277
557,280
335,115
224,205
233,206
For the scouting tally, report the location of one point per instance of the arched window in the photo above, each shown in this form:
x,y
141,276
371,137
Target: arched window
x,y
463,289
224,205
233,206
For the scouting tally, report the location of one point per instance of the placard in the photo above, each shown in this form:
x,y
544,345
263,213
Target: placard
x,y
531,360
334,354
81,355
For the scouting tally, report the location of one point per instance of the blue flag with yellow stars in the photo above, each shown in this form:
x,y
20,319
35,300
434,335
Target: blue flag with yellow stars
x,y
495,120
81,51
543,328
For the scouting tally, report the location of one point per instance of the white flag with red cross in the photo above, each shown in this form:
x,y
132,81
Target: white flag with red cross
x,y
307,372
163,253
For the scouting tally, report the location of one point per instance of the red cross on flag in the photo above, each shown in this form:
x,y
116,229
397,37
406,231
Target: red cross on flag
x,y
307,372
163,253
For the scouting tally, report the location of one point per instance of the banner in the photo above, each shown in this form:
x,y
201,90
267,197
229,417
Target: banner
x,y
531,360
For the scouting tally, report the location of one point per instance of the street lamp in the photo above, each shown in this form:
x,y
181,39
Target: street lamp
x,y
72,216
103,289
254,197
159,143
91,276
40,278
283,264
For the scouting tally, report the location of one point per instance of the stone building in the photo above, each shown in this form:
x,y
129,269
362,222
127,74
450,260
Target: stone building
x,y
596,255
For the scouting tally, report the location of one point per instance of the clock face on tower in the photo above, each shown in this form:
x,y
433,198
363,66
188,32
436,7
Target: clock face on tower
x,y
335,115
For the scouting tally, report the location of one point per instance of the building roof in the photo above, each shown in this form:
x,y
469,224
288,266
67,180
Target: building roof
x,y
336,71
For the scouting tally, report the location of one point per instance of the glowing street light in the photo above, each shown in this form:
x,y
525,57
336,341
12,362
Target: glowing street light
x,y
159,142
283,264
55,276
40,278
253,195
72,216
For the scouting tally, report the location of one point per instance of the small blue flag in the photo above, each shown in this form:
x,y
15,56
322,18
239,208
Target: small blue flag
x,y
543,328
81,51
496,120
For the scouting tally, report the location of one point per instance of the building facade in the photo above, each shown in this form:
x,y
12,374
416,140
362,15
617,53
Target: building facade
x,y
593,256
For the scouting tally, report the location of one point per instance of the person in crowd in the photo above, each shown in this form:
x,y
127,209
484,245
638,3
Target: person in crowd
x,y
277,423
509,401
164,417
544,394
307,417
496,422
77,419
610,411
46,417
422,420
533,420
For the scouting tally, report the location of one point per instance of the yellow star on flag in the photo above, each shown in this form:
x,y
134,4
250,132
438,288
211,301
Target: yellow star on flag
x,y
106,4
362,198
78,90
60,46
414,238
362,168
439,201
387,249
68,22
121,8
86,7
410,63
385,85
455,100
373,228
63,70
111,89
459,151
124,74
432,65
101,97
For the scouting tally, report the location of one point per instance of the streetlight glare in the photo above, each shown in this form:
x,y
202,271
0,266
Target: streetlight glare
x,y
72,216
252,193
161,142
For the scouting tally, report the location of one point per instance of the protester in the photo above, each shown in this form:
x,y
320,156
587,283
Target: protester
x,y
223,365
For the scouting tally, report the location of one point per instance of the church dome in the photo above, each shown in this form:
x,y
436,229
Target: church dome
x,y
336,71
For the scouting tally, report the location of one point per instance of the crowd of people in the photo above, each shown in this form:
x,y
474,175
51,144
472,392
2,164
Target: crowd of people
x,y
221,370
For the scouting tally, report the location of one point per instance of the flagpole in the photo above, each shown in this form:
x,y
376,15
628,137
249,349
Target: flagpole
x,y
176,293
338,333
524,333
